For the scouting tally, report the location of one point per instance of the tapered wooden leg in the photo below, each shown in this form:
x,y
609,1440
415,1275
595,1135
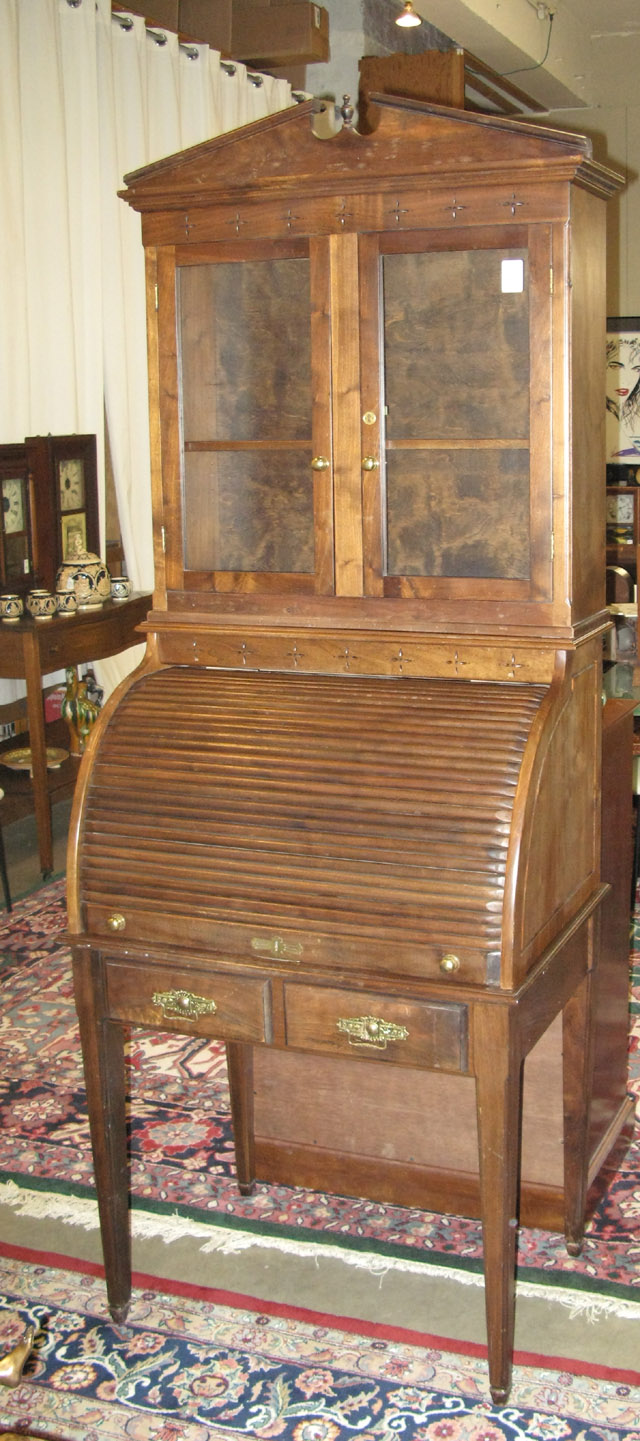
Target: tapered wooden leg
x,y
240,1068
577,1068
103,1055
498,1070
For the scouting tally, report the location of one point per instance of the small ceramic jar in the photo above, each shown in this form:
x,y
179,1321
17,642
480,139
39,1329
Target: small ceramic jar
x,y
11,606
41,604
120,587
87,576
66,602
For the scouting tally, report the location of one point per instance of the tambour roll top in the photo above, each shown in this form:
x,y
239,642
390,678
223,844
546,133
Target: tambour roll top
x,y
340,809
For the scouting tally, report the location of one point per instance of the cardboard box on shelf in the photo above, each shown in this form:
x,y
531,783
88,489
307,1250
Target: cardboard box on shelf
x,y
276,34
208,21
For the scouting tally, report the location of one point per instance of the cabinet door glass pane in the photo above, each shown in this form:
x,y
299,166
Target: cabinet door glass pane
x,y
240,520
456,361
245,371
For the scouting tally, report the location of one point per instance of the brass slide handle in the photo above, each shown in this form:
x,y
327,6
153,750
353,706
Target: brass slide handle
x,y
183,1005
371,1031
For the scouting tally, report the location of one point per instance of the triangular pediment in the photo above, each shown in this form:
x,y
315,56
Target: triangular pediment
x,y
282,153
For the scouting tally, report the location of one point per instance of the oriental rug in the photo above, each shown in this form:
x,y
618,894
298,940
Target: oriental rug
x,y
182,1170
197,1364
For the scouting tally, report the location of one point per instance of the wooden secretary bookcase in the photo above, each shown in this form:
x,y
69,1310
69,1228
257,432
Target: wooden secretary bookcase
x,y
346,815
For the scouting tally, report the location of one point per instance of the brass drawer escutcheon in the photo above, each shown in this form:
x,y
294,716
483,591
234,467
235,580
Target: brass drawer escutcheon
x,y
181,1005
371,1031
277,948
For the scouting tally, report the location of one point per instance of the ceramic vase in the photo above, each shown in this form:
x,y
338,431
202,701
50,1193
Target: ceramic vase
x,y
87,577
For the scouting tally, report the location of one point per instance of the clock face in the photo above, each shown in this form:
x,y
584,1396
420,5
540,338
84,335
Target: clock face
x,y
71,484
12,505
620,509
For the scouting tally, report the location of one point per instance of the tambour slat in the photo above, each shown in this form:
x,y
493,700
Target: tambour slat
x,y
349,805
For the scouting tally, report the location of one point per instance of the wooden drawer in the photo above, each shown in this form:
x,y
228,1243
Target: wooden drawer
x,y
377,1027
231,1008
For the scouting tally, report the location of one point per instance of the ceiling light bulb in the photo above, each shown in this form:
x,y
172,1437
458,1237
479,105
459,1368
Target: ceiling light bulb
x,y
408,16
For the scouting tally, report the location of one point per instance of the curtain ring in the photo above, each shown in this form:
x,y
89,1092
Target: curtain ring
x,y
157,35
228,67
256,80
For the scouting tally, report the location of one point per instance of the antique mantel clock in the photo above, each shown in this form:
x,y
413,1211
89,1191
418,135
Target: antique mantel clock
x,y
49,492
364,824
65,490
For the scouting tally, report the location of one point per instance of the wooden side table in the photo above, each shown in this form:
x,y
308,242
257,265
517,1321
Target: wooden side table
x,y
30,649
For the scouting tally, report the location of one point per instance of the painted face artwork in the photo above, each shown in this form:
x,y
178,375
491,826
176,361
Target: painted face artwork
x,y
623,397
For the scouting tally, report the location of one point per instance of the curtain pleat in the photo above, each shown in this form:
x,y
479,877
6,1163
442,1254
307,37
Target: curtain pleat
x,y
84,99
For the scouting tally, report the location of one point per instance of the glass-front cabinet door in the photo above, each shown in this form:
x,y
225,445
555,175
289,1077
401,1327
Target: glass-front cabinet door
x,y
464,402
444,362
256,475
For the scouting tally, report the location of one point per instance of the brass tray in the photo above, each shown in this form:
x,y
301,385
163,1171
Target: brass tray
x,y
20,759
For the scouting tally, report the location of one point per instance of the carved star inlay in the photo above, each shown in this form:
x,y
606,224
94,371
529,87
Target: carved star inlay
x,y
513,203
397,211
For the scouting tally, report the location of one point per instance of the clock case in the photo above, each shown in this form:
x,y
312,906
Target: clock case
x,y
37,460
16,549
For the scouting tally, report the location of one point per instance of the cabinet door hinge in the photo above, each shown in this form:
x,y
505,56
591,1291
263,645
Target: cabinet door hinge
x,y
163,536
550,280
553,545
155,290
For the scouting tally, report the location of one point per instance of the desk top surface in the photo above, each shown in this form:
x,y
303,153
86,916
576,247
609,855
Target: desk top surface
x,y
62,640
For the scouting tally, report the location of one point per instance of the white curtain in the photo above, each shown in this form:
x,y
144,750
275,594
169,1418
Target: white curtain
x,y
84,99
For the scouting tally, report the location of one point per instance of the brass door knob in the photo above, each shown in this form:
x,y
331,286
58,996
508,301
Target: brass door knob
x,y
370,463
116,922
320,462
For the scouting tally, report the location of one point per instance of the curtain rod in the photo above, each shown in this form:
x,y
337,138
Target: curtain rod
x,y
159,35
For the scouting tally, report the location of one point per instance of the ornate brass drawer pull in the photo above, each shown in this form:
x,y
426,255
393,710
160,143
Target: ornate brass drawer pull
x,y
181,1005
371,1031
277,948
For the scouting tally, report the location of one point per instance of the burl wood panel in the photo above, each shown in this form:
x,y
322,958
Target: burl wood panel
x,y
458,513
249,511
245,359
456,348
245,350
